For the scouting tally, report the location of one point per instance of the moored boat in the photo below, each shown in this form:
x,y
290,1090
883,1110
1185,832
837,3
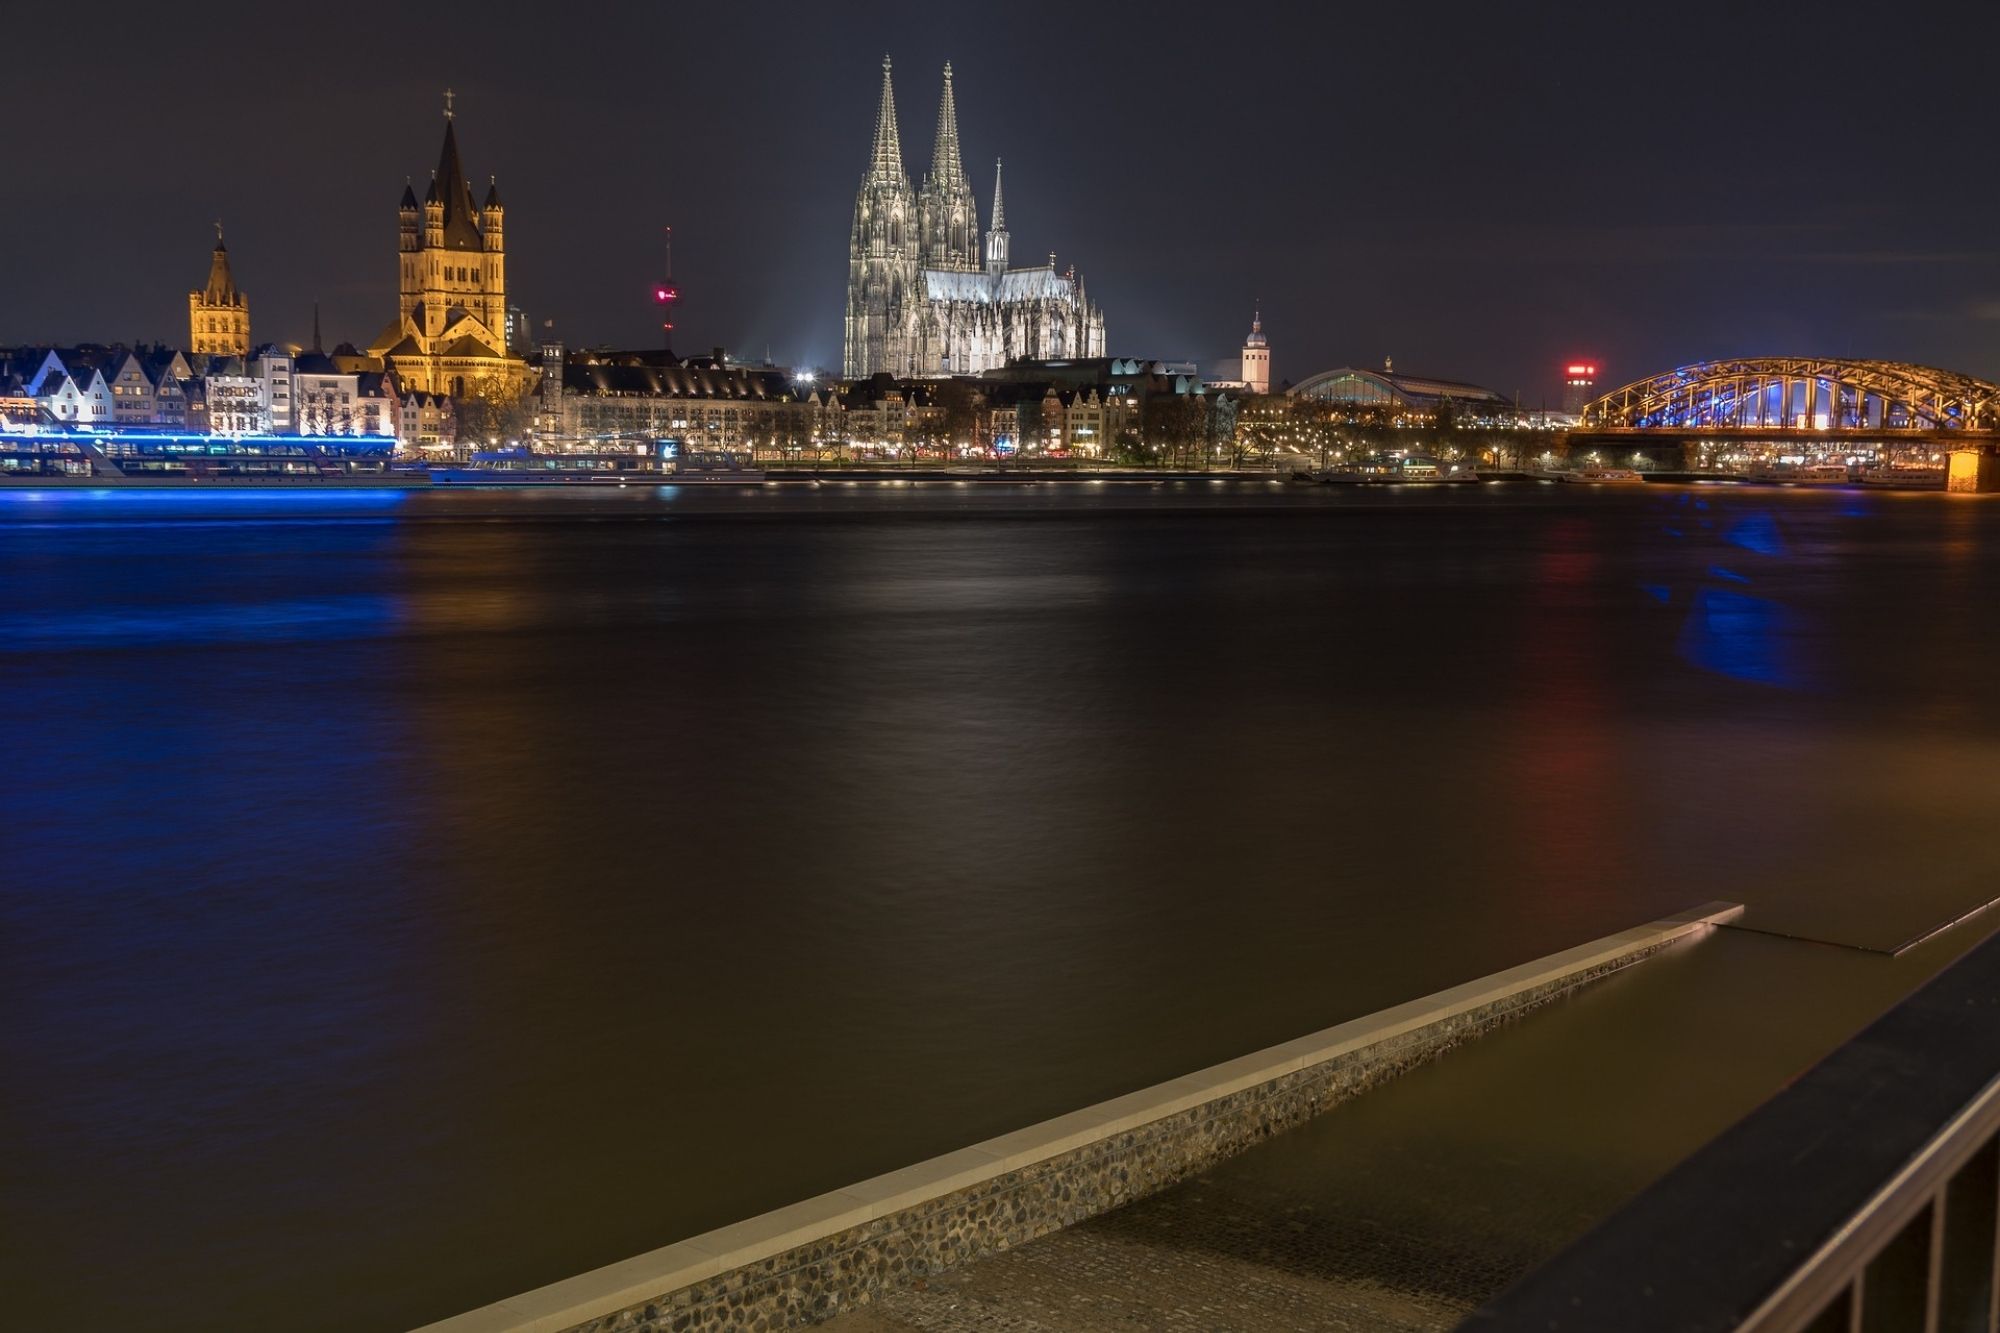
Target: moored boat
x,y
1805,474
1906,478
1602,476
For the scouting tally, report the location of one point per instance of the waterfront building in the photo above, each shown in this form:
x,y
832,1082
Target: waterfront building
x,y
1095,407
329,401
922,300
450,331
274,371
194,405
78,400
234,399
424,421
219,314
161,389
1407,399
647,397
1579,386
98,387
133,398
18,408
72,389
1050,419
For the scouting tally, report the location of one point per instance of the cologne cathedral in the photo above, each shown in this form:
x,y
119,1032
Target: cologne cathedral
x,y
921,299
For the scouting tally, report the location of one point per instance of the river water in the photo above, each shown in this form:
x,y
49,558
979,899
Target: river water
x,y
413,898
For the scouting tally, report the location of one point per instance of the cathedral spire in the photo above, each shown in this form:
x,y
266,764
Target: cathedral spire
x,y
947,166
888,160
996,235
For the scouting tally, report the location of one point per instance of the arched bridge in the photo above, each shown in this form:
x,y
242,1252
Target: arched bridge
x,y
1782,395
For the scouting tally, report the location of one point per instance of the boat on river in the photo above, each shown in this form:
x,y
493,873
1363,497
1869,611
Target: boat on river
x,y
529,476
1602,476
1906,478
1805,474
1407,470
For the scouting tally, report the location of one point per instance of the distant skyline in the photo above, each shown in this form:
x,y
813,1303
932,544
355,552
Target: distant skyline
x,y
1481,193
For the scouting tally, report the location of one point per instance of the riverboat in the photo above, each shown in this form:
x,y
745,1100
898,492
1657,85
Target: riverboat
x,y
1410,470
1602,476
1806,474
1906,478
521,476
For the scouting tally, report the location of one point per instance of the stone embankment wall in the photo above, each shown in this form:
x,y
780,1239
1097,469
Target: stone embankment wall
x,y
811,1260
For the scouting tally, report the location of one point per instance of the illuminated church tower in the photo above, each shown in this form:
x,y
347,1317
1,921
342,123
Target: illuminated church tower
x,y
219,315
882,252
1256,357
450,332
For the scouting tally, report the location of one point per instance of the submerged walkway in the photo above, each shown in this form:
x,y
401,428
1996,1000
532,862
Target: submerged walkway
x,y
1407,1207
1203,1255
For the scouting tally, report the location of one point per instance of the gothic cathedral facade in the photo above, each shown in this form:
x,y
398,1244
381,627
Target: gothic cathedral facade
x,y
450,334
921,299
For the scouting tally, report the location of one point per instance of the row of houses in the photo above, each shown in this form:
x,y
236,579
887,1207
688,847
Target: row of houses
x,y
599,399
272,391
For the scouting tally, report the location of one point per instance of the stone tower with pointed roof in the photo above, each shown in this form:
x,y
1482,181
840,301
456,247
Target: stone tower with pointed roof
x,y
882,250
921,299
219,314
449,335
948,215
1257,356
996,235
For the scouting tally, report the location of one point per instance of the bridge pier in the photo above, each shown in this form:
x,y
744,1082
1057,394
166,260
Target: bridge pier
x,y
1974,470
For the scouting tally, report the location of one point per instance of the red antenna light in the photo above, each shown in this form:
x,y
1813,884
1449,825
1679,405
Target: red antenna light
x,y
665,293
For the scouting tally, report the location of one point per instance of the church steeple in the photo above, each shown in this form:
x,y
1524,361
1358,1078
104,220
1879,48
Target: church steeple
x,y
221,289
996,236
948,216
887,163
461,222
1257,356
947,166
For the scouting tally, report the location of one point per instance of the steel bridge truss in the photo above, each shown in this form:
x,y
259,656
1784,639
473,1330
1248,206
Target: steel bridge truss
x,y
1800,393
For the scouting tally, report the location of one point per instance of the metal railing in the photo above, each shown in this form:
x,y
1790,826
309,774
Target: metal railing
x,y
1863,1198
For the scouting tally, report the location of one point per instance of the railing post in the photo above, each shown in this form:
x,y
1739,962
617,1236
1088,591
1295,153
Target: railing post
x,y
1934,1276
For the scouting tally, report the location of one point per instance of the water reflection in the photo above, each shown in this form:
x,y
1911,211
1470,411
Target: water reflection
x,y
386,871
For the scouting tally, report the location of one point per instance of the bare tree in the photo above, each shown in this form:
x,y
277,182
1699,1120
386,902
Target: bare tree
x,y
491,410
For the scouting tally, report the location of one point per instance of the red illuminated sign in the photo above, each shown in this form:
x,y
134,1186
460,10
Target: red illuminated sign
x,y
1586,371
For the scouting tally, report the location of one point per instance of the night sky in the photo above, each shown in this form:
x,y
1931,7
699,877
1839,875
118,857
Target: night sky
x,y
1479,191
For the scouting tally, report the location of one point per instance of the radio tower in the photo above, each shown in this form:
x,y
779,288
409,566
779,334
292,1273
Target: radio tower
x,y
665,294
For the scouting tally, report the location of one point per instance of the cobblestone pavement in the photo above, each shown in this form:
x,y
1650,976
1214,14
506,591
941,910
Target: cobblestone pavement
x,y
1208,1254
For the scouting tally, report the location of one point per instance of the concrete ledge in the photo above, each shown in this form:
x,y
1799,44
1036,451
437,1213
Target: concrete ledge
x,y
810,1260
